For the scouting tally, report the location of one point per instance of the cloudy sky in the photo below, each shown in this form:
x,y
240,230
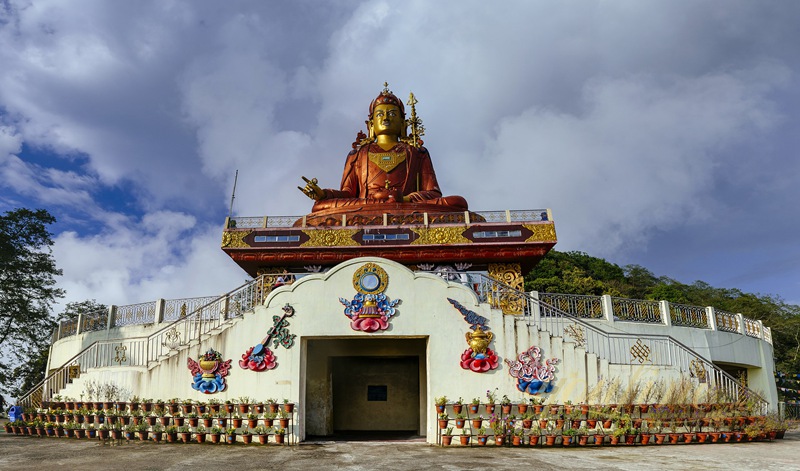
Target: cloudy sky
x,y
661,133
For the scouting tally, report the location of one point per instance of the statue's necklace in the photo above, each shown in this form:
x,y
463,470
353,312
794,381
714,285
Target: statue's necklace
x,y
388,160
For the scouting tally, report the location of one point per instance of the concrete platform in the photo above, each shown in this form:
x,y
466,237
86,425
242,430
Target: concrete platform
x,y
41,454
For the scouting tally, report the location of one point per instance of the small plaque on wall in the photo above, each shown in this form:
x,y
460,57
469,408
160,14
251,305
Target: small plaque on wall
x,y
376,393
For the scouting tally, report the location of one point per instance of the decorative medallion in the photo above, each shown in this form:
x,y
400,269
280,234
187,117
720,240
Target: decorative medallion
x,y
172,339
532,376
387,161
235,239
330,238
260,357
209,372
370,310
541,232
697,370
640,351
120,356
478,357
440,236
577,333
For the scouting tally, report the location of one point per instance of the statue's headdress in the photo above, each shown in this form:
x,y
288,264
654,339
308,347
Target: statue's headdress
x,y
386,97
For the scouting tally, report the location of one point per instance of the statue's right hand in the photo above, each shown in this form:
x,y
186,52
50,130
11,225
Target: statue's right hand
x,y
312,190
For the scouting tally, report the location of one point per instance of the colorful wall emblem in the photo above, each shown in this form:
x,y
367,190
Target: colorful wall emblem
x,y
209,372
478,357
532,376
260,357
370,310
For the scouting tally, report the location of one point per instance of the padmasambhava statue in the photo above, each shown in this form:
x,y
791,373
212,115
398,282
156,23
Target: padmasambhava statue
x,y
387,172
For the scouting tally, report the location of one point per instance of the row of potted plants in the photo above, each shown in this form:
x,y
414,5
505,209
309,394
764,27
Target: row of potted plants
x,y
244,405
157,415
145,432
701,423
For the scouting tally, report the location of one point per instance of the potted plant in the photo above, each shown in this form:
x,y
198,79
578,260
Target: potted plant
x,y
158,432
230,436
171,433
518,435
143,431
208,419
102,432
200,434
280,435
288,407
464,437
236,421
193,419
458,406
214,405
244,404
461,420
262,433
273,405
533,435
491,398
441,404
186,406
505,404
568,436
482,436
473,405
185,433
252,420
283,418
443,419
215,434
447,436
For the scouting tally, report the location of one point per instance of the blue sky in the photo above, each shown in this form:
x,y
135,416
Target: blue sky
x,y
660,133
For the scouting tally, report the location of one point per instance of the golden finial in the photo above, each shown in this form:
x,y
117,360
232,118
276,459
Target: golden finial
x,y
417,129
386,90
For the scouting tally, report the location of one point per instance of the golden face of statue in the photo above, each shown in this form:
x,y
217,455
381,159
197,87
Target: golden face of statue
x,y
387,120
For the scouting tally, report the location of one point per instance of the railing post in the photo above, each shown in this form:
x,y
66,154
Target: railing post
x,y
79,327
663,306
160,305
760,329
112,314
264,222
740,321
425,219
385,219
508,215
536,310
608,307
59,330
224,308
712,318
466,218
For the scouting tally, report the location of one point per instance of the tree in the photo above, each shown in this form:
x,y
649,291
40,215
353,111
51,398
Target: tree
x,y
27,292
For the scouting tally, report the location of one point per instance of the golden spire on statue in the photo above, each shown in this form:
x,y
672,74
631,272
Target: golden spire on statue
x,y
415,123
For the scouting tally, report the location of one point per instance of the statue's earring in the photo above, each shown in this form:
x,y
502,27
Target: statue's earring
x,y
371,129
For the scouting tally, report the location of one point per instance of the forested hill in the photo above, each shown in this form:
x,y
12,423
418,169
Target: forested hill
x,y
579,273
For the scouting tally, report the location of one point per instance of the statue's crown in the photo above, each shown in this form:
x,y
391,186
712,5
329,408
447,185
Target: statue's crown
x,y
386,97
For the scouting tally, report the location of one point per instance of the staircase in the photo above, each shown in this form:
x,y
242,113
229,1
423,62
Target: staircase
x,y
610,348
202,323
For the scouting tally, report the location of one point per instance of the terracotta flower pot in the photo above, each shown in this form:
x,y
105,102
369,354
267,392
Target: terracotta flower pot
x,y
464,439
522,408
533,440
200,437
247,439
482,439
457,408
263,439
599,439
447,440
214,437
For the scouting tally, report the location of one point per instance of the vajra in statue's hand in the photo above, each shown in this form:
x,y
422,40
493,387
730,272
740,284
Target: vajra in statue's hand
x,y
312,190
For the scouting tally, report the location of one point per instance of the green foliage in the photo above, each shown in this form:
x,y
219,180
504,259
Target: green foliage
x,y
27,291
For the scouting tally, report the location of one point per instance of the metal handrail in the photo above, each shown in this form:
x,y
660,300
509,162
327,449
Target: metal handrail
x,y
139,351
662,350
